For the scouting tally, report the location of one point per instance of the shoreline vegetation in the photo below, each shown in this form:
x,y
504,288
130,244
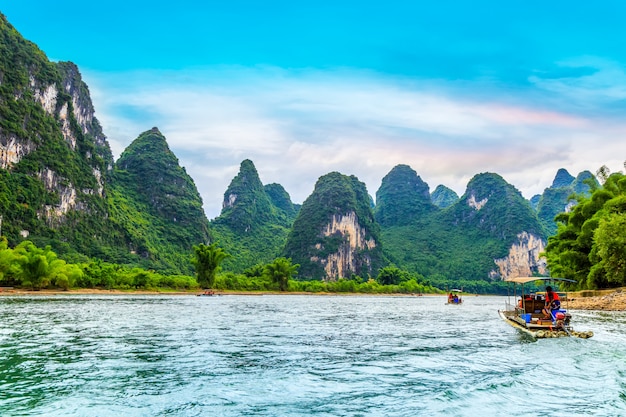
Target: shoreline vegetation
x,y
604,300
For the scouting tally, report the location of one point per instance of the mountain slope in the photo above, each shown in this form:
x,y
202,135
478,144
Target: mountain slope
x,y
443,197
402,197
479,238
558,198
54,158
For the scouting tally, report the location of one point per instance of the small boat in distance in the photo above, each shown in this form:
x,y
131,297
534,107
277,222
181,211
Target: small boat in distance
x,y
527,314
454,296
207,293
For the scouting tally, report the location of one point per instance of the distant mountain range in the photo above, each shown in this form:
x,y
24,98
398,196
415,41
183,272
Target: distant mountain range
x,y
60,186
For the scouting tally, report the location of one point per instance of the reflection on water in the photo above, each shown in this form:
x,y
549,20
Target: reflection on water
x,y
298,356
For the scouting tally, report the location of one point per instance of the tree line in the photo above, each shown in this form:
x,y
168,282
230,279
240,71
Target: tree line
x,y
31,267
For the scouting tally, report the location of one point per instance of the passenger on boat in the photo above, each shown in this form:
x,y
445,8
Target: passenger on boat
x,y
526,297
552,303
450,298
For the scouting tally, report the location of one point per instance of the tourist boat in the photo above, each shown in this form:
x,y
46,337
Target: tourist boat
x,y
454,296
526,313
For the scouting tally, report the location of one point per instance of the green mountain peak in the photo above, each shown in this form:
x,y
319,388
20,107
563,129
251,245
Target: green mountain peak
x,y
255,220
496,207
157,202
443,197
335,234
402,197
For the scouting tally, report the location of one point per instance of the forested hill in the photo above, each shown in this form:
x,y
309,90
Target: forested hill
x,y
254,221
156,202
402,198
58,185
489,233
561,195
54,159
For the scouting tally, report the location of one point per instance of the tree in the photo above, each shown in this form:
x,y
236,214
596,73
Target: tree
x,y
610,250
392,275
8,267
65,277
280,271
38,266
207,260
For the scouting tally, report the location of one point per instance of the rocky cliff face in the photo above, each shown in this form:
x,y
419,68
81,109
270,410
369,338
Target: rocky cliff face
x,y
353,238
524,258
13,149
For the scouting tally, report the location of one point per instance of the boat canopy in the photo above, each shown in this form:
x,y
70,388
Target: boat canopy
x,y
455,290
524,280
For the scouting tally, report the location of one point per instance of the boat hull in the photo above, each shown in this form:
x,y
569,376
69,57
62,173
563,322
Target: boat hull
x,y
540,331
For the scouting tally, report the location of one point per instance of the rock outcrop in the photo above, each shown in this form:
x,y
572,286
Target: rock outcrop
x,y
353,238
524,258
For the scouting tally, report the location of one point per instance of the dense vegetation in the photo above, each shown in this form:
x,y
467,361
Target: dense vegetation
x,y
402,198
443,197
561,195
590,244
26,205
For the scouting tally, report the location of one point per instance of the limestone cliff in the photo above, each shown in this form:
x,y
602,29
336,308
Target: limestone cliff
x,y
353,239
524,258
48,132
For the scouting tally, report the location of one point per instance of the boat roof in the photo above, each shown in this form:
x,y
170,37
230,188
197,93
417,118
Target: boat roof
x,y
524,280
455,290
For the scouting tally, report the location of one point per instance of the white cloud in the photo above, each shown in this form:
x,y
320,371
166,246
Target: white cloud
x,y
297,126
607,83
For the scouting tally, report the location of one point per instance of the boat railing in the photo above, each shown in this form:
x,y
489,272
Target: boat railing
x,y
510,306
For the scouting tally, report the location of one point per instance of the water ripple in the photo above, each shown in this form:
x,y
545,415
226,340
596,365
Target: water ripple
x,y
298,356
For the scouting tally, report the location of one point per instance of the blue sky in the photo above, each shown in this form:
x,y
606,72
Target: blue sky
x,y
451,88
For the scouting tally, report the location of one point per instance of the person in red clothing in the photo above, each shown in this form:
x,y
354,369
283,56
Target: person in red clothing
x,y
552,303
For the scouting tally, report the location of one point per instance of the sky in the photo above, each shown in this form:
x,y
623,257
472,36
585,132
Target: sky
x,y
304,88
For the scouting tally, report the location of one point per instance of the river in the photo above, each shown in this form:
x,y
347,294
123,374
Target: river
x,y
298,355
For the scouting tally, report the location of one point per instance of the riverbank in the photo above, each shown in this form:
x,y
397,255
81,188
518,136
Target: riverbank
x,y
607,300
95,291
